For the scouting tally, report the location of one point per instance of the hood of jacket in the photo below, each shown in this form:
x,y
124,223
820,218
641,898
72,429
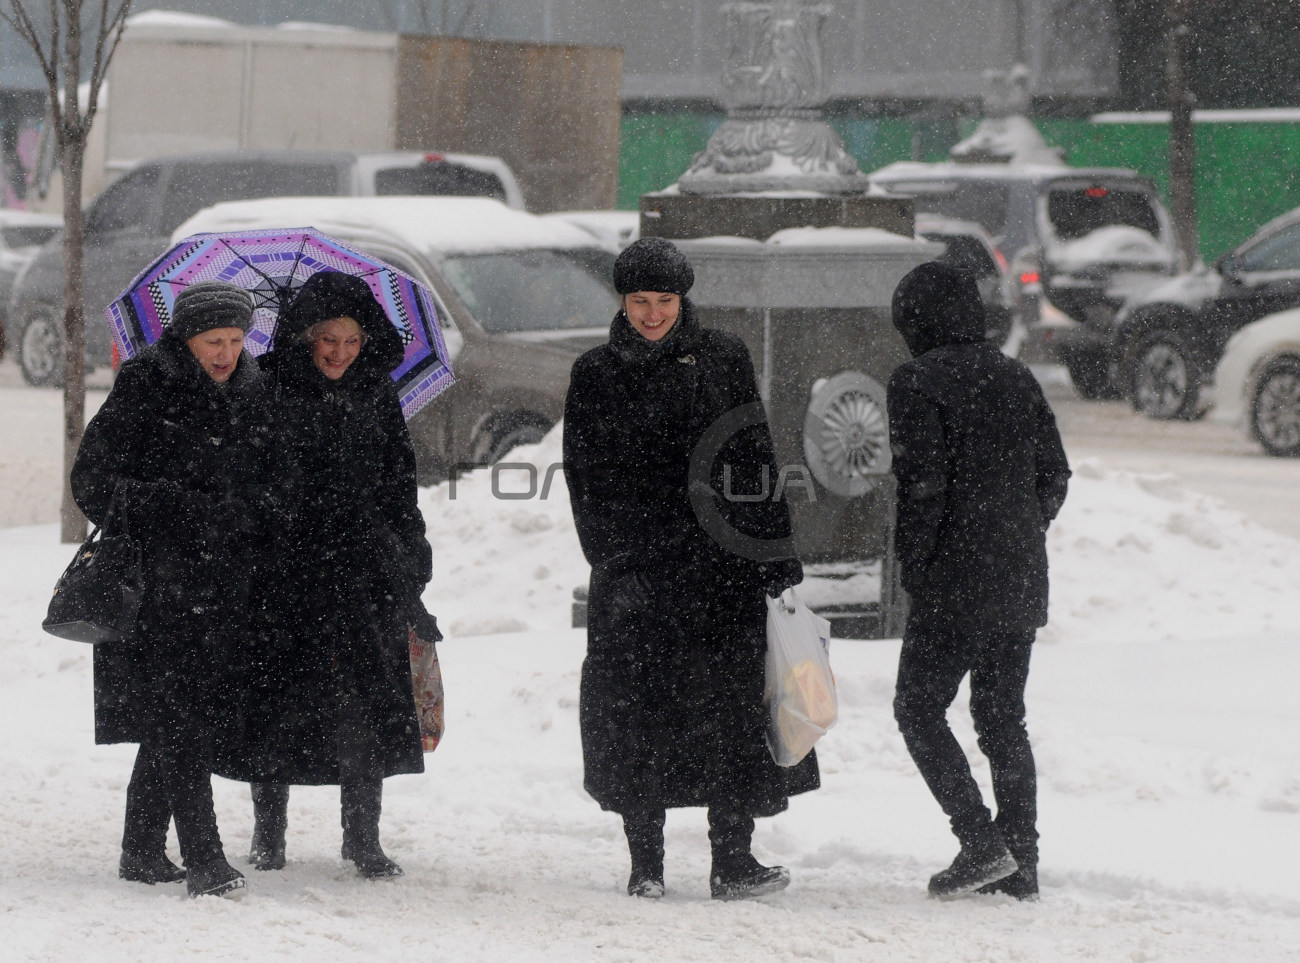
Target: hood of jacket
x,y
329,295
935,305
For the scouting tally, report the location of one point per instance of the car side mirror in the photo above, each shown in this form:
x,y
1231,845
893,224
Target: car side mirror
x,y
1229,268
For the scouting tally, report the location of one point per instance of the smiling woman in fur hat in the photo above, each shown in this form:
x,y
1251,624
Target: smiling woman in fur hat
x,y
181,450
672,687
330,700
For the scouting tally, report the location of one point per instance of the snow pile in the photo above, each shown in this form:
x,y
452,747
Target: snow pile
x,y
1138,557
505,553
1114,244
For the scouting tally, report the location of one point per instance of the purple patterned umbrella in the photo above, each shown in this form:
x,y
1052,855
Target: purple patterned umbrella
x,y
273,265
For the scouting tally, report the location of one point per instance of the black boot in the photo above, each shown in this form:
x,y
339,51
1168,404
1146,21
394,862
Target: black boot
x,y
1021,885
645,844
156,868
216,877
978,864
736,874
270,821
144,835
361,803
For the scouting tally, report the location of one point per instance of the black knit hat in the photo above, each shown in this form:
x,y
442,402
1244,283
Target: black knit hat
x,y
210,304
652,264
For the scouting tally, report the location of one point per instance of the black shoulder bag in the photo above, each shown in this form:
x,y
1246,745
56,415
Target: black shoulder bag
x,y
98,596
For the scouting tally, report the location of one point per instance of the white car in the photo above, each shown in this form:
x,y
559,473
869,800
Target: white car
x,y
1257,383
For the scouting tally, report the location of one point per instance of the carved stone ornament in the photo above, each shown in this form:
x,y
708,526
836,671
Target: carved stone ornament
x,y
773,86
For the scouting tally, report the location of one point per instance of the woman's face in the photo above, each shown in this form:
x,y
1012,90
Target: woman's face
x,y
652,313
337,343
217,351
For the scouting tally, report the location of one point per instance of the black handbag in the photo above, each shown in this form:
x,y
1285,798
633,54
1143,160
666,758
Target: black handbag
x,y
98,596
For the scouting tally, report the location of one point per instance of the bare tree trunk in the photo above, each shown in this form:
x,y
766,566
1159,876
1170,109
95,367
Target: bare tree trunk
x,y
73,523
1182,139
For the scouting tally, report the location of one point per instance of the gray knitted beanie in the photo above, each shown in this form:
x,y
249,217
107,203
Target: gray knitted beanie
x,y
210,304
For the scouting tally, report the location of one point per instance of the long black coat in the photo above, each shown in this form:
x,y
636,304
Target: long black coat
x,y
671,706
981,474
195,478
347,568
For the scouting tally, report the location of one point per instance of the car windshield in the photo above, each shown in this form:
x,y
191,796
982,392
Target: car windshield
x,y
1076,212
983,203
27,235
439,177
537,290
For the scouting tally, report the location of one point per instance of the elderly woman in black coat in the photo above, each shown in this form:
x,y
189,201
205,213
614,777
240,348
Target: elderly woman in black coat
x,y
181,452
671,705
328,698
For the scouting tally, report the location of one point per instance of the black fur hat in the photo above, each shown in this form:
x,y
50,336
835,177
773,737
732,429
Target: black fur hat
x,y
652,264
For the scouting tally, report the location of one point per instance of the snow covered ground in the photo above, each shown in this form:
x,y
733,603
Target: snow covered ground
x,y
1162,707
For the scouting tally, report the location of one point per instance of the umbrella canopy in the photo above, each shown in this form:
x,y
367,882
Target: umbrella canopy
x,y
272,266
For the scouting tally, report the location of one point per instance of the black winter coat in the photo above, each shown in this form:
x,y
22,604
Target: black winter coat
x,y
981,474
195,479
671,704
348,568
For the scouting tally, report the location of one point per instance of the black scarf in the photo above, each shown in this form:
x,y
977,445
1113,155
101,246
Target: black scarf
x,y
631,348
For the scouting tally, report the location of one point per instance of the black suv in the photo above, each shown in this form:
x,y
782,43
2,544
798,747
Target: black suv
x,y
1083,239
1168,340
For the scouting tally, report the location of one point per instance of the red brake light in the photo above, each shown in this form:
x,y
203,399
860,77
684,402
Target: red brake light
x,y
1029,277
434,158
1096,192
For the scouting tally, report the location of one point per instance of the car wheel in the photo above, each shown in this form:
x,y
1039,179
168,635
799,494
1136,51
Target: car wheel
x,y
506,439
40,348
1091,378
1166,379
1275,409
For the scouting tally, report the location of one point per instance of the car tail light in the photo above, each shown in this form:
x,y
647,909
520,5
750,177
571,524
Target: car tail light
x,y
434,158
1030,277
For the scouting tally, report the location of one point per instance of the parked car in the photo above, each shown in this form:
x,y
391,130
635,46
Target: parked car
x,y
967,245
1083,239
520,296
129,223
21,236
615,229
1168,340
1257,383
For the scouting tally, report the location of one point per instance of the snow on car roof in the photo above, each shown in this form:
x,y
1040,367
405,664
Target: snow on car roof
x,y
919,170
438,225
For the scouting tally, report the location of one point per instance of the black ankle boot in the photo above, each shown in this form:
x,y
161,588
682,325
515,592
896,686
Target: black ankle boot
x,y
214,878
736,874
149,869
361,803
270,822
645,844
977,865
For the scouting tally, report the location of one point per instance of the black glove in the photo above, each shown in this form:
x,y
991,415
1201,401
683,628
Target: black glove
x,y
780,575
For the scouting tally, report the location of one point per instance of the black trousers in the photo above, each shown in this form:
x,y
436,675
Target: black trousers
x,y
930,669
171,779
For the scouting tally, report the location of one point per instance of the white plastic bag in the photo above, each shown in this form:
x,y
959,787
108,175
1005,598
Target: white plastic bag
x,y
800,688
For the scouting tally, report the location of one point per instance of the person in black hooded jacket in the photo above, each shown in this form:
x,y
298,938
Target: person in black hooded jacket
x,y
671,706
328,693
981,474
182,452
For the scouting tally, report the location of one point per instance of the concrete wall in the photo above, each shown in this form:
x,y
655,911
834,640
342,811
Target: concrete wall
x,y
552,112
